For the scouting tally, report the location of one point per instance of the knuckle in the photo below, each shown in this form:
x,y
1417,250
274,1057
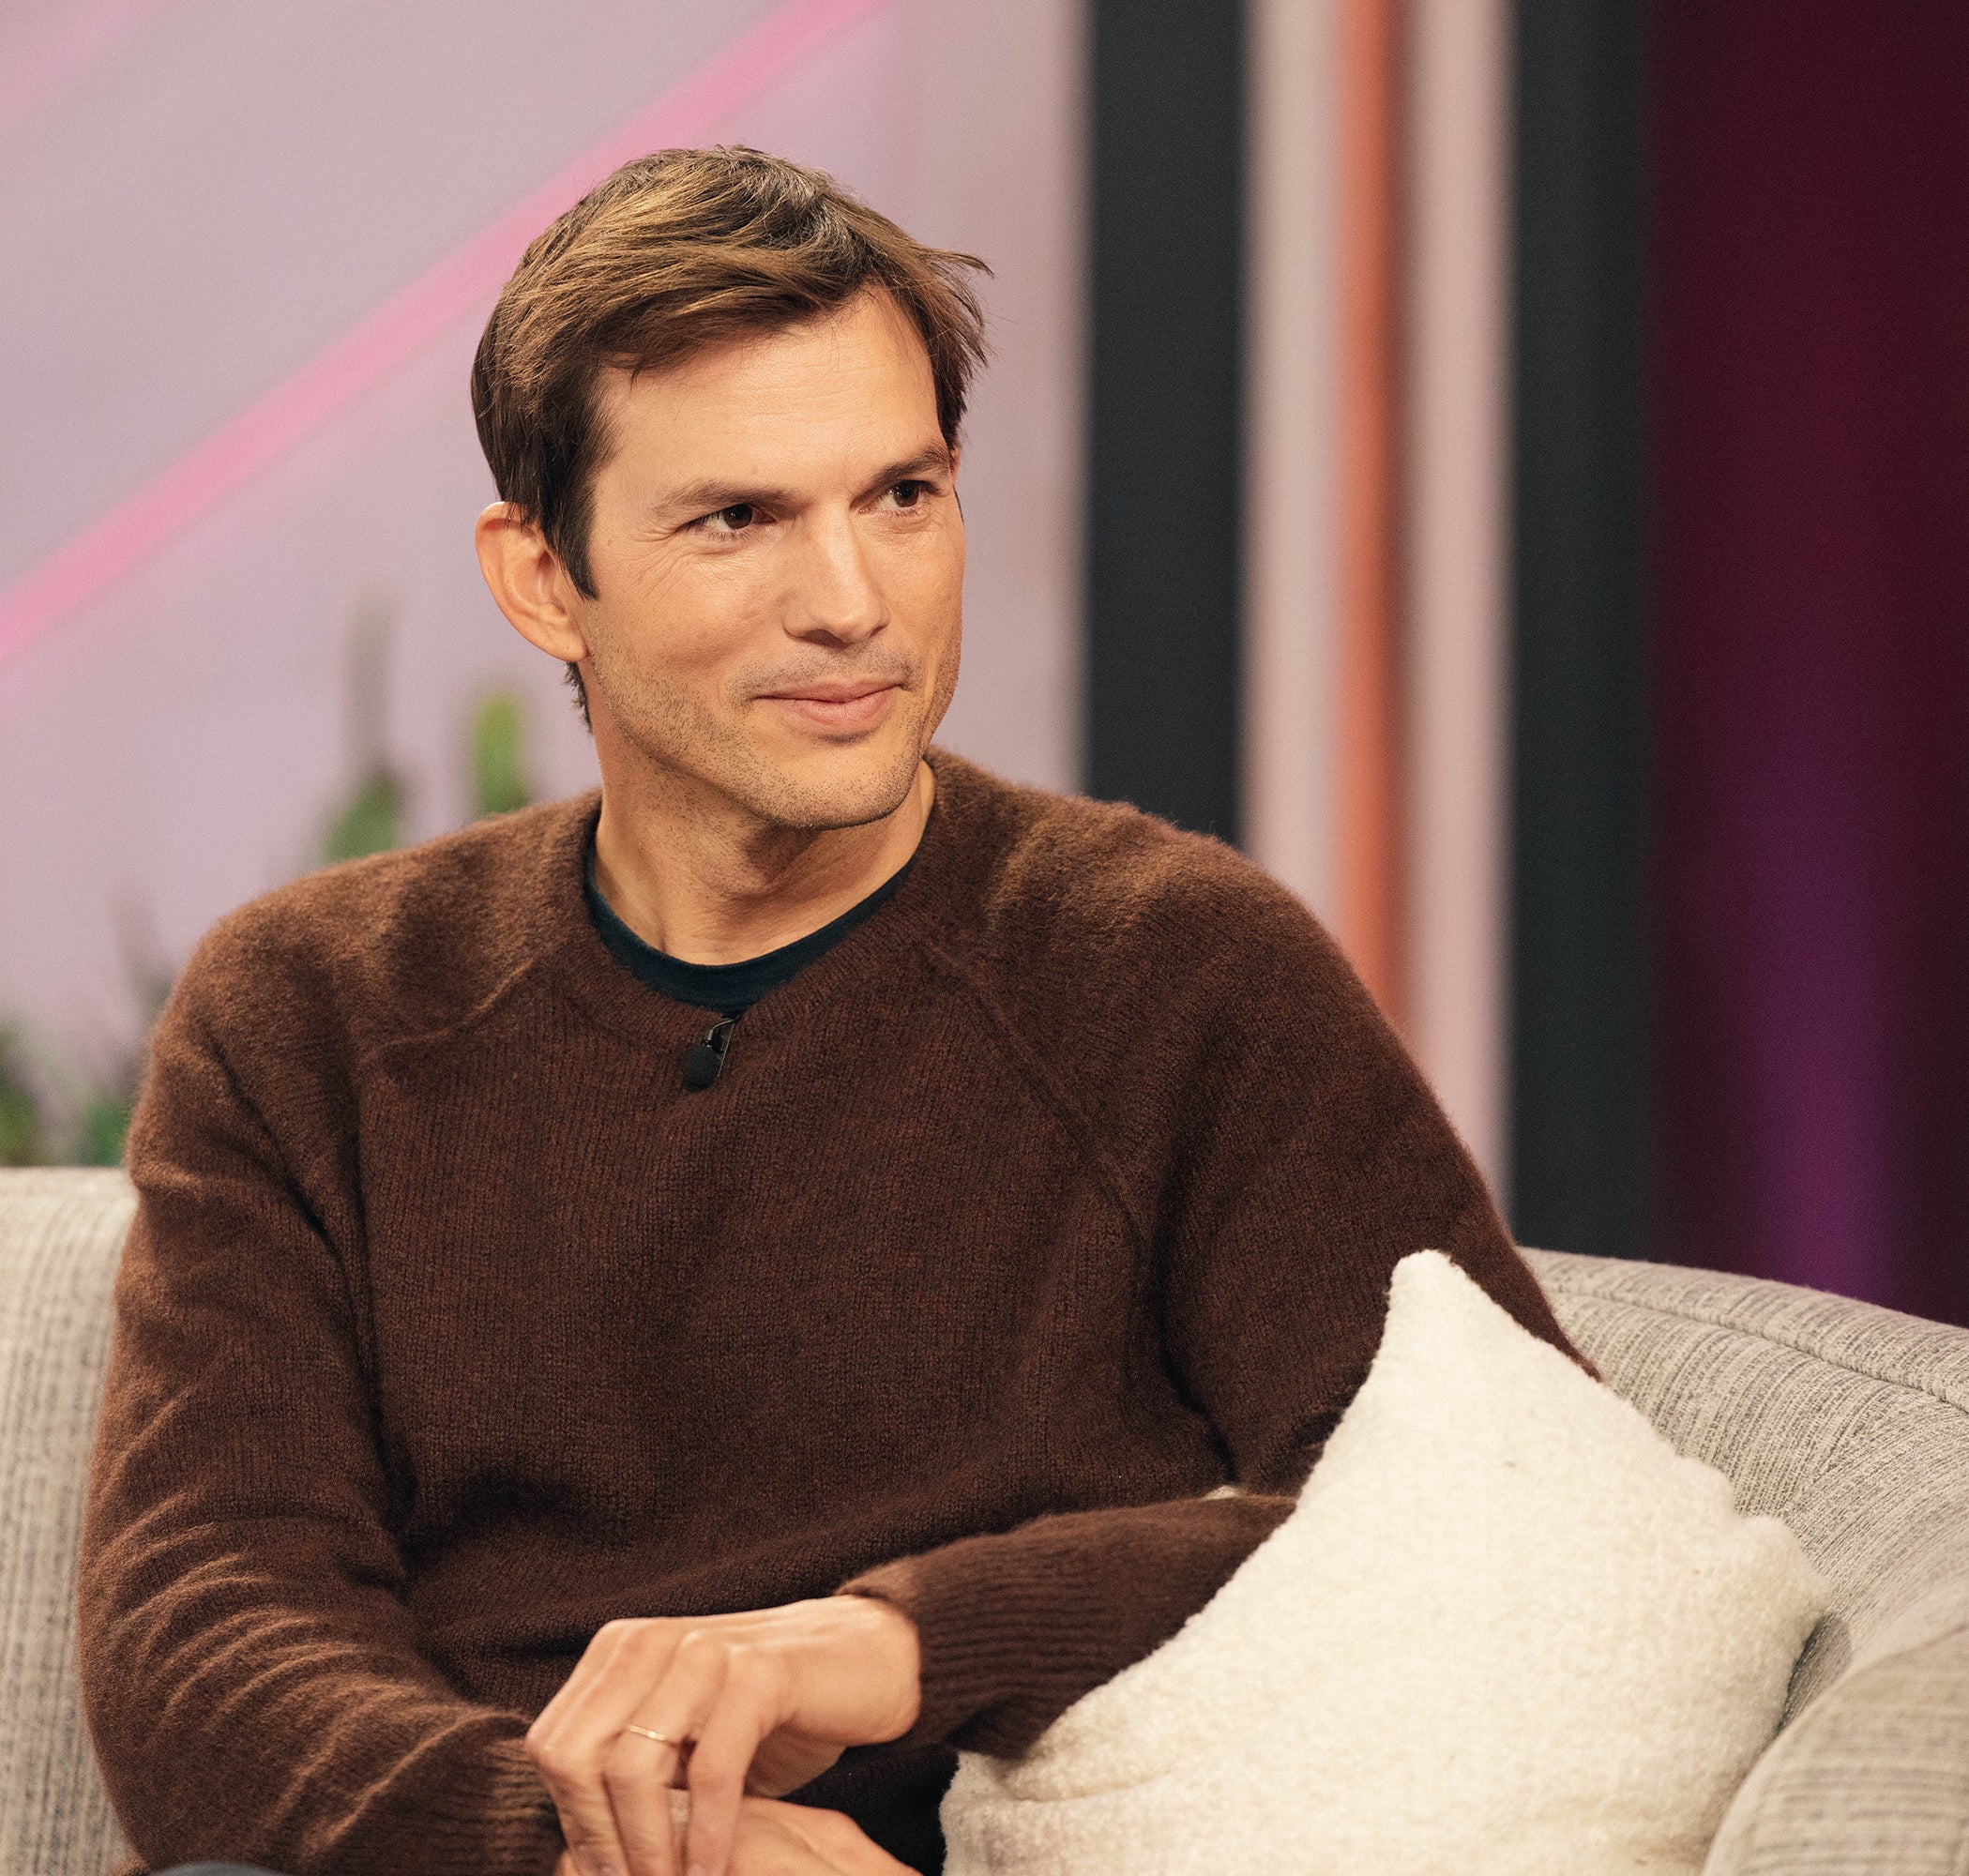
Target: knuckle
x,y
644,1638
695,1642
551,1756
757,1667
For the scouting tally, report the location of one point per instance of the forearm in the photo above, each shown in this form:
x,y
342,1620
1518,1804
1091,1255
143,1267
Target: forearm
x,y
1014,1628
248,1703
255,1685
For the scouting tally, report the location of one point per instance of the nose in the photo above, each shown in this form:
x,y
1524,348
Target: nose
x,y
835,598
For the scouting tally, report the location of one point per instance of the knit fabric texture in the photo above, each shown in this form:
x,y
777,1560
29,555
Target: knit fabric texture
x,y
451,1327
1507,1630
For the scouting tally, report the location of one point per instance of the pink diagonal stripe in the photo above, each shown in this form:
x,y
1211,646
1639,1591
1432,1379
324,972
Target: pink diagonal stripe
x,y
465,281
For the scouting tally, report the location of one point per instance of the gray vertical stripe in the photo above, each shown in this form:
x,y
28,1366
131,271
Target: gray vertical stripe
x,y
1580,1085
1164,435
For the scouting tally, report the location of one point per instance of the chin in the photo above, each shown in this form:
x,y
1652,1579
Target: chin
x,y
838,788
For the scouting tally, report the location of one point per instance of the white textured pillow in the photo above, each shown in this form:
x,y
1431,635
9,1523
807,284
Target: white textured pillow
x,y
1507,1629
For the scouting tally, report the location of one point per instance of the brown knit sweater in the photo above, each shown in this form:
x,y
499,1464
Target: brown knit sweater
x,y
1062,1191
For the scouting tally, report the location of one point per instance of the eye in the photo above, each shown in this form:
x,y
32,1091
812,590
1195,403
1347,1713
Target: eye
x,y
909,495
734,520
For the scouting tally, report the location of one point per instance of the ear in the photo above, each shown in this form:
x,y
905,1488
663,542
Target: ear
x,y
528,581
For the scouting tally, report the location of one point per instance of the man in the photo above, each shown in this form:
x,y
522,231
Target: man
x,y
739,1285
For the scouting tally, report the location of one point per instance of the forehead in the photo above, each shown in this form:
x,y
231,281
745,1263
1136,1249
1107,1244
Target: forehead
x,y
853,383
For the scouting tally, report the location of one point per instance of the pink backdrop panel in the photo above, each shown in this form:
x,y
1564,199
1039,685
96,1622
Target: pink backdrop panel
x,y
257,182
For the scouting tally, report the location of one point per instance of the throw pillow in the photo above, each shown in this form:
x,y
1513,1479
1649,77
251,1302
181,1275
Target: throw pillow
x,y
1507,1631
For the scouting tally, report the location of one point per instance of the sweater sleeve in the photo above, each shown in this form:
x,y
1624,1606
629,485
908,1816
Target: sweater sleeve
x,y
1307,1157
252,1677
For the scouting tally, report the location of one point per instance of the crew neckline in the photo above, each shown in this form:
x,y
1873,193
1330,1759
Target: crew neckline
x,y
880,950
726,990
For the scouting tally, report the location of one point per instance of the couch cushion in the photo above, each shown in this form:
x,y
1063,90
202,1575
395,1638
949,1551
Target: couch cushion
x,y
60,1234
1850,1422
1506,1629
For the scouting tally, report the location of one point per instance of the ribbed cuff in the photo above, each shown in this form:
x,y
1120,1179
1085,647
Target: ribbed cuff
x,y
498,1820
1015,1628
522,1831
457,1804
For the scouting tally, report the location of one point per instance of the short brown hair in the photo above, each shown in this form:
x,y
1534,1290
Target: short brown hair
x,y
673,252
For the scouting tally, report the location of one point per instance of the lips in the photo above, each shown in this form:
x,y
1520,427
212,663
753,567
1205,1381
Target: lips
x,y
845,708
833,693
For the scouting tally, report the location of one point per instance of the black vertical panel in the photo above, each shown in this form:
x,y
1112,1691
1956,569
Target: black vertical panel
x,y
1164,438
1580,1070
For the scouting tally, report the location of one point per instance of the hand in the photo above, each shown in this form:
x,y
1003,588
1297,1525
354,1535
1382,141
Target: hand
x,y
776,1839
760,1701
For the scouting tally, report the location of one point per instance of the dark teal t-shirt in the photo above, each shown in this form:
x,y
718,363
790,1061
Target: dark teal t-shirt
x,y
731,990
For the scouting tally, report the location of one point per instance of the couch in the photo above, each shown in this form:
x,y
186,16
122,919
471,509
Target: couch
x,y
1850,1422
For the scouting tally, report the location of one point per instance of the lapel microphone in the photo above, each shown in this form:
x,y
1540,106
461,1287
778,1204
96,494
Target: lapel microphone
x,y
704,1059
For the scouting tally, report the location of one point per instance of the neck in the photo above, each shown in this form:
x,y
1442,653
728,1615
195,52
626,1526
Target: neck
x,y
716,890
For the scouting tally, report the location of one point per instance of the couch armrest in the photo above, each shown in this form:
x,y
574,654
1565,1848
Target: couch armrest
x,y
1872,1779
61,1231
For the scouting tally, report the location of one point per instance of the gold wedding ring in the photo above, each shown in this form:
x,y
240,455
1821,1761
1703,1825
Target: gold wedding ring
x,y
662,1738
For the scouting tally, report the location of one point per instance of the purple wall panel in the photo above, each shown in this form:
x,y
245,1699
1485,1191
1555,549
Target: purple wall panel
x,y
1812,581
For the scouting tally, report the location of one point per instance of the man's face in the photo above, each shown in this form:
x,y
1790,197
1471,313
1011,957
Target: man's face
x,y
779,560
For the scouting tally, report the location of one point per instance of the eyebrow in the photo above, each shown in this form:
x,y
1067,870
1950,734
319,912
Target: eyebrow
x,y
708,496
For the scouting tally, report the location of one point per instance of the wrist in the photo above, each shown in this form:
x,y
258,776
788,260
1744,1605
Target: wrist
x,y
895,1652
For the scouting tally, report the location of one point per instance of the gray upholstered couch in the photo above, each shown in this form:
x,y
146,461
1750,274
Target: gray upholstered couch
x,y
1849,1422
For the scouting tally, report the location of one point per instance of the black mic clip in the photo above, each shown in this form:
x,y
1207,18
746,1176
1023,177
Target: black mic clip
x,y
705,1058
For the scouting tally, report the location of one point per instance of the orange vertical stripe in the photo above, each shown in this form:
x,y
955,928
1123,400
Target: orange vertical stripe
x,y
1370,714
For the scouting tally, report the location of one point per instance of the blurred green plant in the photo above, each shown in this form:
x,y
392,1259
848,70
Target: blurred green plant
x,y
24,1138
40,1128
500,782
371,822
105,1126
50,1119
370,819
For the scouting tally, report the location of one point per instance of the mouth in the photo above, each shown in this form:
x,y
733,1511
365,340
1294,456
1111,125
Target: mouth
x,y
847,708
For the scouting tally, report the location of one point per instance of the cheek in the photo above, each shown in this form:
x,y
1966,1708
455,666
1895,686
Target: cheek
x,y
927,586
690,620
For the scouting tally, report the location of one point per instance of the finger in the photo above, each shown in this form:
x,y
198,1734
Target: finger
x,y
560,1743
594,1662
750,1706
639,1770
641,1775
571,1749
